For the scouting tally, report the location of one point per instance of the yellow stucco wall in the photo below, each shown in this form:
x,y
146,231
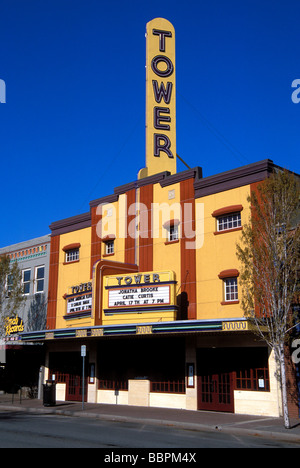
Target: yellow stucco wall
x,y
218,253
114,223
166,256
73,274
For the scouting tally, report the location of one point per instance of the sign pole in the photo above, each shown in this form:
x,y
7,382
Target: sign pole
x,y
83,355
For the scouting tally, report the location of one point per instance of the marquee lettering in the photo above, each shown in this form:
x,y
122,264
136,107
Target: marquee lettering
x,y
81,288
137,279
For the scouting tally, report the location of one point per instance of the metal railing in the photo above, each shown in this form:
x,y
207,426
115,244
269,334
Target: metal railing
x,y
112,385
169,386
16,394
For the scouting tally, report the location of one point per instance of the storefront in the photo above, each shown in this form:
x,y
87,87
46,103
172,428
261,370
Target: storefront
x,y
181,364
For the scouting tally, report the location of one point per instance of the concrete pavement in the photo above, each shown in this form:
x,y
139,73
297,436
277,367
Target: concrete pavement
x,y
204,421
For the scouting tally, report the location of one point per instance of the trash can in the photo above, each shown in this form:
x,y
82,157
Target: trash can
x,y
49,393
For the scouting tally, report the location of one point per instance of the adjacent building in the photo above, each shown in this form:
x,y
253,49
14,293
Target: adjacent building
x,y
23,360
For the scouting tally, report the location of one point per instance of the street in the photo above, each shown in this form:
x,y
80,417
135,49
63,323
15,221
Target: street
x,y
21,430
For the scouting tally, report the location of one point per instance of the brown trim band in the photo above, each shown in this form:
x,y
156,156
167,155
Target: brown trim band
x,y
233,273
71,247
171,223
109,237
227,210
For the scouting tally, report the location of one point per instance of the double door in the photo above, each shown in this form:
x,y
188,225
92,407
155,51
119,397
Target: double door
x,y
74,387
67,368
215,381
215,392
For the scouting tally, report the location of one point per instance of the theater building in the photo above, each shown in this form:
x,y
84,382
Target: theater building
x,y
148,280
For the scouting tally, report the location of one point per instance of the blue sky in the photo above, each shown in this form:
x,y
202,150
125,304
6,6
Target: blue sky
x,y
73,125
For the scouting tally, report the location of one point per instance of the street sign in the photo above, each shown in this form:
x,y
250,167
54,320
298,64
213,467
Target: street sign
x,y
83,351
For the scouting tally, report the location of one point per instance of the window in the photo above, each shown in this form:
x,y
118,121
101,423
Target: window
x,y
39,279
228,218
109,247
230,282
173,233
227,222
9,285
109,244
252,370
231,289
72,255
26,278
172,228
253,379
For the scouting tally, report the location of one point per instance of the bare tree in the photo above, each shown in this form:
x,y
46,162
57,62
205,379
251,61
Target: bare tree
x,y
11,290
269,254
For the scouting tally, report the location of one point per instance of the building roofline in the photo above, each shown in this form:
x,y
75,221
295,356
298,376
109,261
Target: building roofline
x,y
244,175
73,223
234,178
24,244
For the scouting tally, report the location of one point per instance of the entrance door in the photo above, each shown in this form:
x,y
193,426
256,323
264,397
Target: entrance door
x,y
215,392
67,368
74,388
215,380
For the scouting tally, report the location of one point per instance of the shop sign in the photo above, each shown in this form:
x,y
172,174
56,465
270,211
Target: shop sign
x,y
13,325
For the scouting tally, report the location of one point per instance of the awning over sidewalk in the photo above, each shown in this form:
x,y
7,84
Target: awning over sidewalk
x,y
155,328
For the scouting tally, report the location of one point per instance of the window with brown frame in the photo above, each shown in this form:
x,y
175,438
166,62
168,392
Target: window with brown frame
x,y
110,247
252,370
71,253
72,256
228,222
230,284
172,228
228,218
253,379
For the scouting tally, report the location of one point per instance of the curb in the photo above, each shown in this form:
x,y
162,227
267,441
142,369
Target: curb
x,y
273,435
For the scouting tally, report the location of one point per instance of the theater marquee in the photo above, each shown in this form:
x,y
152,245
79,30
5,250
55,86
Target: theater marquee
x,y
139,296
147,293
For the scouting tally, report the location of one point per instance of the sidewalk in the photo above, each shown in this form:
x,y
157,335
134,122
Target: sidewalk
x,y
272,428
